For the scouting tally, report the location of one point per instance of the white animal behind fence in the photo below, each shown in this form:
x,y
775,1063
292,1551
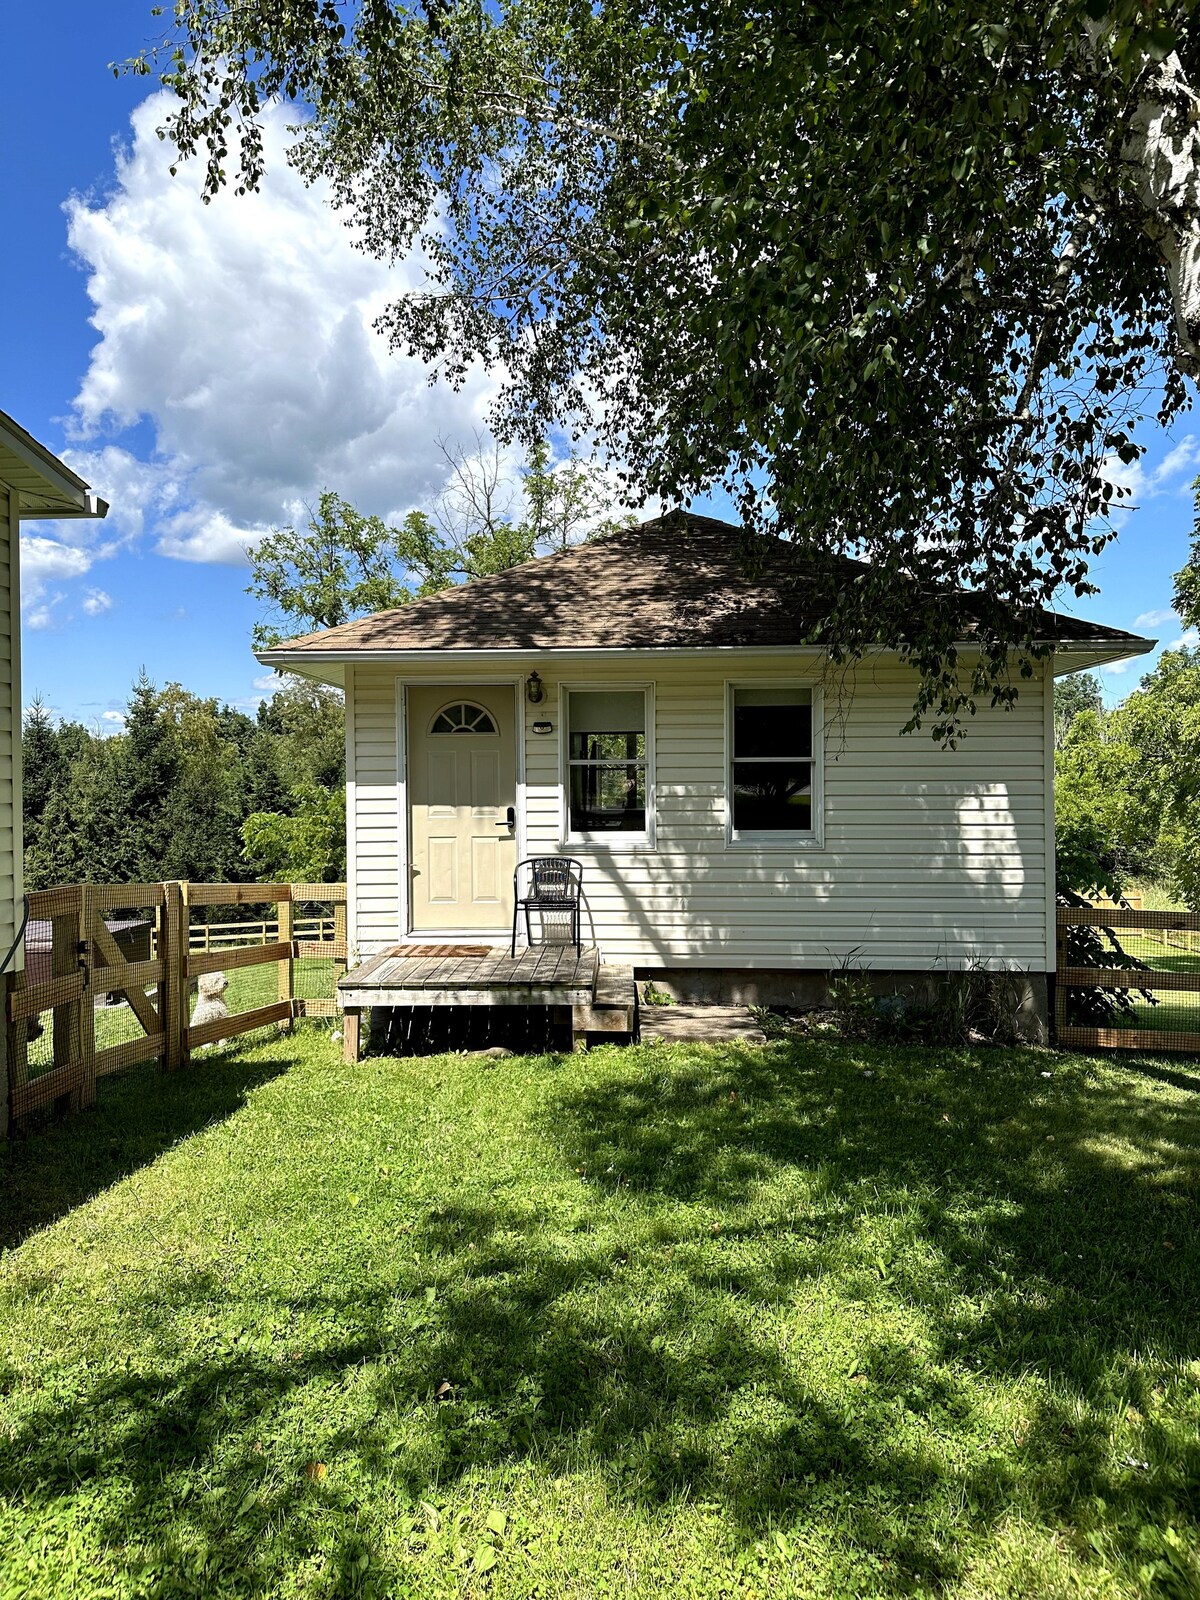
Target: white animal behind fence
x,y
210,1000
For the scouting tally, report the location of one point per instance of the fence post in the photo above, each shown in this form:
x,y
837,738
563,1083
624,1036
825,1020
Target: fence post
x,y
14,1040
64,963
1060,992
86,1022
285,912
339,938
175,975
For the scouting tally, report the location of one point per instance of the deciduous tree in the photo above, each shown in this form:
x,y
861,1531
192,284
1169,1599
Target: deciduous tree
x,y
905,278
1072,696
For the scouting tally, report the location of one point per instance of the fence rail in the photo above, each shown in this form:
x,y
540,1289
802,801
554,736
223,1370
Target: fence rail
x,y
1146,941
59,1007
221,935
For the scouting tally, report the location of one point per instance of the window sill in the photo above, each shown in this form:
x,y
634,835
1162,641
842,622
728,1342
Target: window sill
x,y
631,845
776,842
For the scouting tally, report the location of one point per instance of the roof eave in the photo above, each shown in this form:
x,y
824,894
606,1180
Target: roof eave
x,y
1076,653
93,506
318,665
67,494
1079,655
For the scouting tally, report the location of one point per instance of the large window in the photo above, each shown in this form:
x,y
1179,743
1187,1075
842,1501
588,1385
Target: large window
x,y
607,778
773,776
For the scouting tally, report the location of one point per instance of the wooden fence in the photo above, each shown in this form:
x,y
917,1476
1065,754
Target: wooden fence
x,y
1164,988
221,935
87,964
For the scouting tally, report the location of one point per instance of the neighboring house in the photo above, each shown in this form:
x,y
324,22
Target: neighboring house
x,y
743,815
34,485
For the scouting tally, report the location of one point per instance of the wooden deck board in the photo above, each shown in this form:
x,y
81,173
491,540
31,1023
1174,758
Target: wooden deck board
x,y
541,975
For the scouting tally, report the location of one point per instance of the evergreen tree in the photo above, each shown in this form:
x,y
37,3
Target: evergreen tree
x,y
44,772
145,771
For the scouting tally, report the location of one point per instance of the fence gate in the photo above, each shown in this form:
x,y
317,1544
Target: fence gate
x,y
134,942
1147,961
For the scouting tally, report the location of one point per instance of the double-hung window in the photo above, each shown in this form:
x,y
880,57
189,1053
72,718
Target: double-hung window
x,y
608,781
774,764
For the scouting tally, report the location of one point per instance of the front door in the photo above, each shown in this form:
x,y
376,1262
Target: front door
x,y
462,784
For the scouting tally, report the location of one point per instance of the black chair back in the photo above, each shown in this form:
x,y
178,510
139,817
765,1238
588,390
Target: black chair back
x,y
555,882
550,879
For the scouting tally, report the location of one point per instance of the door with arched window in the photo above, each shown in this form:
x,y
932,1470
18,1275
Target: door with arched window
x,y
462,786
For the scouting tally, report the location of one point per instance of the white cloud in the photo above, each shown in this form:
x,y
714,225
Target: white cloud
x,y
45,561
1181,459
202,534
1126,476
1115,668
269,682
41,616
1155,619
243,330
1188,641
115,717
97,603
1141,484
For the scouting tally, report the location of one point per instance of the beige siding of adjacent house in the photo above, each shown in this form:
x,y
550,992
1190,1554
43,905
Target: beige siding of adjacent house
x,y
11,877
930,858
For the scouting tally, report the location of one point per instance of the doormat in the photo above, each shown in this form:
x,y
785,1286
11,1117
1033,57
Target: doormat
x,y
425,952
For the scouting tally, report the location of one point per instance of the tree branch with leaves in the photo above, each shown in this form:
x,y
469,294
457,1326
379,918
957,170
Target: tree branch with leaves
x,y
904,281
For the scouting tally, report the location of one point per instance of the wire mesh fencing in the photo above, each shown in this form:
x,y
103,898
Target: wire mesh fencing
x,y
1128,979
117,974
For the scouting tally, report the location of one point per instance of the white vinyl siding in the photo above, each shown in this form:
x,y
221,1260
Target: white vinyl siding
x,y
929,857
373,811
11,874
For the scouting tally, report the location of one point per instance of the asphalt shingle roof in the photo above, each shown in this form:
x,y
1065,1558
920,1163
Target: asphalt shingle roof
x,y
682,582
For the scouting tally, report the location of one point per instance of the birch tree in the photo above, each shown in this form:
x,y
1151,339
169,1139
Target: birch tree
x,y
905,279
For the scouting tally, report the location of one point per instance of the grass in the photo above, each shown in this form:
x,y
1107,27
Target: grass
x,y
1156,896
802,1320
1173,1010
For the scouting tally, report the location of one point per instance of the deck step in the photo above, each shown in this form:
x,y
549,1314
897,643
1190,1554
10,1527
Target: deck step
x,y
614,1007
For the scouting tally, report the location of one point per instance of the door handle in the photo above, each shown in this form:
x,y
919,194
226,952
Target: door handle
x,y
510,821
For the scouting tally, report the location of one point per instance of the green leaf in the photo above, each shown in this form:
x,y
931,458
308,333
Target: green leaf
x,y
484,1560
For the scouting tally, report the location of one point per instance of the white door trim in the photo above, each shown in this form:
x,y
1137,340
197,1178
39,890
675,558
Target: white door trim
x,y
403,685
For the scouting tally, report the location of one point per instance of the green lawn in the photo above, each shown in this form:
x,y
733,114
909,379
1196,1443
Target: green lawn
x,y
664,1321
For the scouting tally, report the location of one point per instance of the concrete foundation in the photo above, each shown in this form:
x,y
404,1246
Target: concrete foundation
x,y
1021,998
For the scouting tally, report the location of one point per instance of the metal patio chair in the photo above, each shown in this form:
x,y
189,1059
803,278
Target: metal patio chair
x,y
555,885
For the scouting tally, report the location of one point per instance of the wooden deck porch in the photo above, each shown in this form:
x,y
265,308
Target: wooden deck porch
x,y
600,998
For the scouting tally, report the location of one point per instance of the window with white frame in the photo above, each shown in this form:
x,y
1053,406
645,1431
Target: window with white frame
x,y
773,763
607,763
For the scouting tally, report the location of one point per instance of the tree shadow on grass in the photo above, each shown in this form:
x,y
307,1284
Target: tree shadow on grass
x,y
52,1166
964,1234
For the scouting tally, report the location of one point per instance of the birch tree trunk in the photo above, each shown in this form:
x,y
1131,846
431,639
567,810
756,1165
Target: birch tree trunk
x,y
1162,147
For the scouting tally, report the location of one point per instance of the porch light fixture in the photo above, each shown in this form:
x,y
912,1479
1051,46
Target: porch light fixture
x,y
535,689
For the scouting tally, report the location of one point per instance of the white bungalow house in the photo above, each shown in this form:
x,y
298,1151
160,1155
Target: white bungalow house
x,y
744,825
34,484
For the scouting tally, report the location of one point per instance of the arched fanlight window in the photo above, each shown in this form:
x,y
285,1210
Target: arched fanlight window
x,y
463,718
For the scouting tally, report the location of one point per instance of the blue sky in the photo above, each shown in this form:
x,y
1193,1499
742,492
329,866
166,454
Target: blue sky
x,y
210,369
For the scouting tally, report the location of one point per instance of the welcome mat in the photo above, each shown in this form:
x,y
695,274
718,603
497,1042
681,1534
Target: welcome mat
x,y
425,952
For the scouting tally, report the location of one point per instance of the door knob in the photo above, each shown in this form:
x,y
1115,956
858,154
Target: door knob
x,y
510,821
